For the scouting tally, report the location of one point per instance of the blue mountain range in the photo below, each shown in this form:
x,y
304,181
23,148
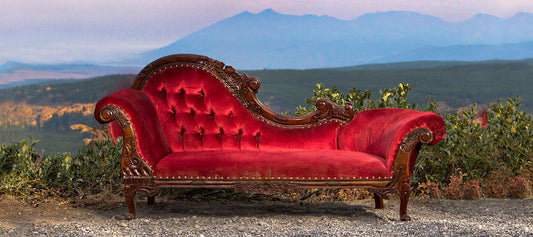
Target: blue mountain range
x,y
272,40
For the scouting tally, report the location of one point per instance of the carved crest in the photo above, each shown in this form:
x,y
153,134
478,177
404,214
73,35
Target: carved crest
x,y
245,89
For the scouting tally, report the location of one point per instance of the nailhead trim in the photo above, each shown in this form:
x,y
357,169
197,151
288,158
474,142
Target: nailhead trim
x,y
260,178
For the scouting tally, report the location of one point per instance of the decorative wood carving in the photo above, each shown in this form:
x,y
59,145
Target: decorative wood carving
x,y
418,135
245,89
132,164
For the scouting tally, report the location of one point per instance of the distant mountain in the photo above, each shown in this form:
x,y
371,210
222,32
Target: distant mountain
x,y
272,40
16,73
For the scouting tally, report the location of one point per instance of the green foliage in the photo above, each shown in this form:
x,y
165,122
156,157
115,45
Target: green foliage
x,y
506,143
17,167
95,168
361,100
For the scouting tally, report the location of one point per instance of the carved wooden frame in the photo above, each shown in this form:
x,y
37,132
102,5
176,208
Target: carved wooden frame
x,y
137,173
245,89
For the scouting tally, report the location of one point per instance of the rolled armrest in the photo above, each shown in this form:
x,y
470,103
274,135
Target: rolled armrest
x,y
381,131
140,114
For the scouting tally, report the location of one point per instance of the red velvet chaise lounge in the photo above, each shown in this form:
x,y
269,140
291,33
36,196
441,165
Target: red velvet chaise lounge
x,y
191,121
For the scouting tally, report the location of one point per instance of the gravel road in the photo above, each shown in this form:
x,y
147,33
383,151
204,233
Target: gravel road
x,y
252,217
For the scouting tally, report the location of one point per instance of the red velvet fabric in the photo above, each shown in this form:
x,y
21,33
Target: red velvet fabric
x,y
273,164
198,112
151,142
381,131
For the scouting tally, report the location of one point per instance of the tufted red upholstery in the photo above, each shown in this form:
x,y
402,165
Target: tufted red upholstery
x,y
197,112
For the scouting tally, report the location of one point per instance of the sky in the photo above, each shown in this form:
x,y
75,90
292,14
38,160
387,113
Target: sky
x,y
101,31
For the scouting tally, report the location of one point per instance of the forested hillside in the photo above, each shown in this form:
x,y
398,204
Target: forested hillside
x,y
46,110
453,86
64,92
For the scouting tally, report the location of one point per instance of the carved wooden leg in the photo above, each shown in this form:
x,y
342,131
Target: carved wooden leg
x,y
405,190
150,200
129,194
379,201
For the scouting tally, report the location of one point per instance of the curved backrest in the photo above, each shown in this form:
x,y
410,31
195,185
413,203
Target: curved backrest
x,y
198,110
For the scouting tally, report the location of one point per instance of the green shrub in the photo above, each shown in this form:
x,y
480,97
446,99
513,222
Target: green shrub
x,y
95,168
506,144
361,100
18,171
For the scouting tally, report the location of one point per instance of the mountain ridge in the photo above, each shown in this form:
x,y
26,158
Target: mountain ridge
x,y
269,39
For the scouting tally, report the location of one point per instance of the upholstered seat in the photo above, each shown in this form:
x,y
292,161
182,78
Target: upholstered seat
x,y
272,164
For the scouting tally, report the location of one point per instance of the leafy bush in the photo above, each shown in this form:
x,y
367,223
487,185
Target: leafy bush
x,y
18,172
95,168
500,152
361,100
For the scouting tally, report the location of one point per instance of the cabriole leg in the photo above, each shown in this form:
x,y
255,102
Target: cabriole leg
x,y
129,195
405,190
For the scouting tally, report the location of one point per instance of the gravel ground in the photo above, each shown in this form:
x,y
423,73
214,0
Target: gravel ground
x,y
104,217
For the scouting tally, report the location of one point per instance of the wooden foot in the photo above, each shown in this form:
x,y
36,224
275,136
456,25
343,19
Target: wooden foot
x,y
405,190
129,195
150,200
129,216
378,201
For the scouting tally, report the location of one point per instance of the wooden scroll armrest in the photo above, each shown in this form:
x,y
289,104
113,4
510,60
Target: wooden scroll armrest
x,y
138,120
387,132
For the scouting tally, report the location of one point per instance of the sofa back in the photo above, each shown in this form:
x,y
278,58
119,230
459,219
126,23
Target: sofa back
x,y
198,111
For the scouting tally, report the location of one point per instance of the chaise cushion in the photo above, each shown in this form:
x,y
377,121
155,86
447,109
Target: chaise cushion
x,y
272,164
